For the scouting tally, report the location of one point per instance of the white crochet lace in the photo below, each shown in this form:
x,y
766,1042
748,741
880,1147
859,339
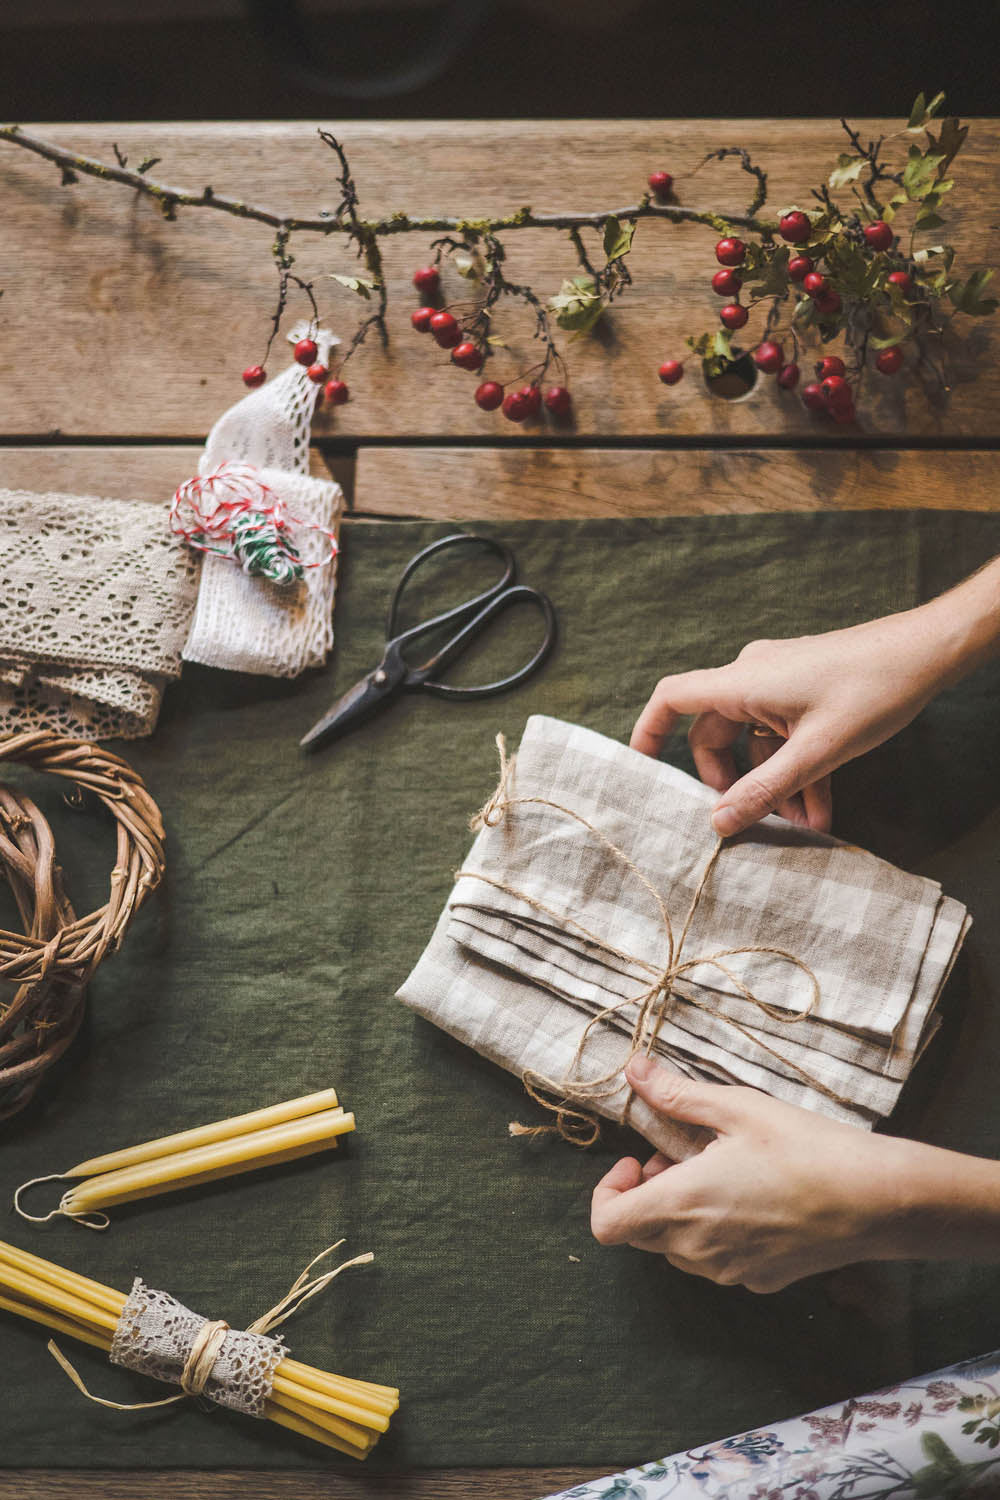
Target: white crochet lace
x,y
249,624
95,600
155,1334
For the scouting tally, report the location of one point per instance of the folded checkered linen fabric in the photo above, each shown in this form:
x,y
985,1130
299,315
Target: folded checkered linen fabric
x,y
551,925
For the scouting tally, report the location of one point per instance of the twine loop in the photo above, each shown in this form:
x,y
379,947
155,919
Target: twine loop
x,y
564,1097
205,1350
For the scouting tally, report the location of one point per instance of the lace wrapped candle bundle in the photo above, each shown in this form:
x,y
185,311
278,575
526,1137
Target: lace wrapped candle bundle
x,y
151,1332
597,914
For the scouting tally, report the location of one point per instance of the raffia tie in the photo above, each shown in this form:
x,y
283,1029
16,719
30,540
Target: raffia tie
x,y
210,1337
564,1096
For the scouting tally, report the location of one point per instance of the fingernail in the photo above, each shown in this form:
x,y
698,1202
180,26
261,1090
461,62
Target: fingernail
x,y
640,1067
725,820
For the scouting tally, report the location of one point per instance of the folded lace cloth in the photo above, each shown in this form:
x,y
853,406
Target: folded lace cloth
x,y
249,624
95,601
551,953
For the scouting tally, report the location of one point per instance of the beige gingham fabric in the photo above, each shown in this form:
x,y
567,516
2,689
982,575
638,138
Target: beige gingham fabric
x,y
519,984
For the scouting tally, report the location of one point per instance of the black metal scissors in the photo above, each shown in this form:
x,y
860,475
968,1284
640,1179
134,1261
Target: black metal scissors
x,y
394,674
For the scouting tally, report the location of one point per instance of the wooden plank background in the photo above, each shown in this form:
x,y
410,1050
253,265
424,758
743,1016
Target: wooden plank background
x,y
122,338
115,323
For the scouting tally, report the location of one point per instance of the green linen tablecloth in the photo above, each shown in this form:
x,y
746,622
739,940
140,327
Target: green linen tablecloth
x,y
299,893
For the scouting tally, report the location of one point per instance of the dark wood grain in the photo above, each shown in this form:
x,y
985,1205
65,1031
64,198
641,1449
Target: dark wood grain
x,y
287,1484
141,471
115,323
496,483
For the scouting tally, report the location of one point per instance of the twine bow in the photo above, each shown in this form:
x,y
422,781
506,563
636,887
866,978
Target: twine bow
x,y
563,1096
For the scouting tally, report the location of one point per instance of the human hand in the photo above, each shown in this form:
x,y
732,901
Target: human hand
x,y
827,698
779,1194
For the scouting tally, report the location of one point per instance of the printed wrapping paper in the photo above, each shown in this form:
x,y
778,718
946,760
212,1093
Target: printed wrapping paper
x,y
927,1438
548,927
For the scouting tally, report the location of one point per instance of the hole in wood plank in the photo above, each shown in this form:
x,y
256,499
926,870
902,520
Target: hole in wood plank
x,y
736,381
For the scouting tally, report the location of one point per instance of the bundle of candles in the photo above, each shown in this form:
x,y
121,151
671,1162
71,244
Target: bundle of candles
x,y
348,1415
279,1133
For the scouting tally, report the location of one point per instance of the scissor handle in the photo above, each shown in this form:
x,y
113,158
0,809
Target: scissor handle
x,y
422,676
460,611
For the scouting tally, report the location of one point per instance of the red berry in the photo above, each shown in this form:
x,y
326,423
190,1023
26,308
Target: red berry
x,y
489,395
878,235
836,391
799,267
558,399
533,397
842,413
467,356
445,330
795,227
830,364
902,279
427,279
305,352
889,360
815,284
254,375
317,374
812,396
769,357
828,305
421,319
730,251
336,392
788,376
726,283
660,184
671,371
733,315
515,407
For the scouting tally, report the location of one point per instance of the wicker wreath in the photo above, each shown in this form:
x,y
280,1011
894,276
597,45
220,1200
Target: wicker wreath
x,y
48,965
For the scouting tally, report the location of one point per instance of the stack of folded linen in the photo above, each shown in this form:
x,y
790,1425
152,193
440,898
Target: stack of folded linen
x,y
797,964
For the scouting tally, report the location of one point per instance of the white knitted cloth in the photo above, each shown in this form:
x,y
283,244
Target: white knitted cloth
x,y
250,624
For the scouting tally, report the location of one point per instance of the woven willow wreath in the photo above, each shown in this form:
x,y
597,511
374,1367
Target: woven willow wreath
x,y
48,965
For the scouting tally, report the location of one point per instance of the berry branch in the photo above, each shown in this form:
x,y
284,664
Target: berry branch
x,y
821,273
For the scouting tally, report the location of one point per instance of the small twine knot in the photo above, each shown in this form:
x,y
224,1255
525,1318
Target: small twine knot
x,y
493,810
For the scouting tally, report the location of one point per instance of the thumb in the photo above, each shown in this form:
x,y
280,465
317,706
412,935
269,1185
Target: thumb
x,y
681,1098
798,763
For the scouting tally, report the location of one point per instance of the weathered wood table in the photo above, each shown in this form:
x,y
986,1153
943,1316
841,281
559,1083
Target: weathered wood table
x,y
123,337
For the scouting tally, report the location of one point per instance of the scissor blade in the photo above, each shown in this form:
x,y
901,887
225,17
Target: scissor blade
x,y
361,700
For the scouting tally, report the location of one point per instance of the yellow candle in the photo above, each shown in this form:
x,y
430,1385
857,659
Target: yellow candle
x,y
49,1319
70,1281
242,1153
205,1135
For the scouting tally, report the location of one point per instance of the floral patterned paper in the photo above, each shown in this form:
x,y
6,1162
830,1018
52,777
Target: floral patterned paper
x,y
935,1435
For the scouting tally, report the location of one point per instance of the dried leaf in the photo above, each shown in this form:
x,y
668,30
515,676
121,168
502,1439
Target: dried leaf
x,y
617,238
848,169
356,284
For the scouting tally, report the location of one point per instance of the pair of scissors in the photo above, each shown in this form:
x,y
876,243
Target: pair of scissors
x,y
394,675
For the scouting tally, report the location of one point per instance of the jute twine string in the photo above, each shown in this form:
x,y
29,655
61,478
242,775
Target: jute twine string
x,y
210,1337
50,962
90,1219
564,1096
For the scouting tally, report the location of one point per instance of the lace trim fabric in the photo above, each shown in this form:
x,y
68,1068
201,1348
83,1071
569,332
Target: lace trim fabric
x,y
96,602
249,624
155,1335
